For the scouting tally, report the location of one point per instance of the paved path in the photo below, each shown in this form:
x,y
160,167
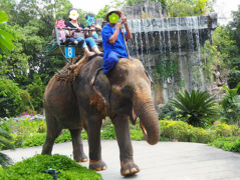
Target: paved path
x,y
164,161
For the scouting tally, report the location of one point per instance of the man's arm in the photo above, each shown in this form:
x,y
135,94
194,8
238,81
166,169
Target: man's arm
x,y
124,20
113,38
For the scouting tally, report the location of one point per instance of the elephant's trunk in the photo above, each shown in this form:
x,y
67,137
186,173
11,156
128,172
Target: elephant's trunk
x,y
145,110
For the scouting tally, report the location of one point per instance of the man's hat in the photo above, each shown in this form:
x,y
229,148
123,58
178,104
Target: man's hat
x,y
112,11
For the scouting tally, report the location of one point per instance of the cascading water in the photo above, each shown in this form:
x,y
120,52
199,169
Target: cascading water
x,y
170,48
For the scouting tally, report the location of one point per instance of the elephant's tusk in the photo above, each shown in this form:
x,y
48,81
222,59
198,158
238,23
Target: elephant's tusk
x,y
134,117
144,131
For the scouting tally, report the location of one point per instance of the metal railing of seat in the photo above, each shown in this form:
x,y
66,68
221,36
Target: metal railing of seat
x,y
56,47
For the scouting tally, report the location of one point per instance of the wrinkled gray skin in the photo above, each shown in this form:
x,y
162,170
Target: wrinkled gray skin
x,y
124,92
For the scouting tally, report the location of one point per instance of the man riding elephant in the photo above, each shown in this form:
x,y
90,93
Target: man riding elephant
x,y
114,40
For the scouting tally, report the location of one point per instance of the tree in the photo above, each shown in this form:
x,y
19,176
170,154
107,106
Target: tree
x,y
102,12
6,38
235,27
182,8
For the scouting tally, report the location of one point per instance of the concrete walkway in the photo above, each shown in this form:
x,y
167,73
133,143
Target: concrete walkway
x,y
164,161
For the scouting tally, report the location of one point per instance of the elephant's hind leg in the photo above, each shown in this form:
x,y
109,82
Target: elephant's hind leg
x,y
53,131
78,154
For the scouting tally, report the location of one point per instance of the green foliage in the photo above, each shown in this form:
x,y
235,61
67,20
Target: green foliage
x,y
6,38
36,91
102,12
221,51
141,2
168,111
32,169
165,69
28,133
229,144
108,132
25,131
225,130
196,108
182,8
13,100
231,104
5,139
233,79
235,27
182,131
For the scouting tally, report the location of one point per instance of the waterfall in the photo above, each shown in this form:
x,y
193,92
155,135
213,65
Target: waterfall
x,y
170,49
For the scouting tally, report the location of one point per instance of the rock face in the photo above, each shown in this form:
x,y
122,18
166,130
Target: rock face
x,y
170,48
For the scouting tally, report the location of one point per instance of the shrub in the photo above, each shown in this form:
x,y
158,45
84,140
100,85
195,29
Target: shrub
x,y
201,135
229,144
168,111
225,130
182,131
13,100
27,132
175,130
196,108
108,132
231,105
32,169
233,79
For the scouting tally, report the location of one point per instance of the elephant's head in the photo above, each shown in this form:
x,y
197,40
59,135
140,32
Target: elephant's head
x,y
127,90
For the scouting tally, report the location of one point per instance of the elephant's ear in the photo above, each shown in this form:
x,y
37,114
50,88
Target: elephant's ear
x,y
101,85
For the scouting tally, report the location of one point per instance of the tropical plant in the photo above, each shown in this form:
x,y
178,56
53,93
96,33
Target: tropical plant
x,y
5,144
196,108
6,38
231,105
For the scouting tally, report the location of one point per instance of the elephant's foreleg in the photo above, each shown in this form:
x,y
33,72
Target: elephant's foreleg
x,y
53,131
95,156
78,154
128,167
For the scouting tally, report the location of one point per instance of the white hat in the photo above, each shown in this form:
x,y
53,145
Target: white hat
x,y
73,14
112,11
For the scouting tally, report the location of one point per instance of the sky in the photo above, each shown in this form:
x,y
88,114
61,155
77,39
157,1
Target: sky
x,y
222,7
91,6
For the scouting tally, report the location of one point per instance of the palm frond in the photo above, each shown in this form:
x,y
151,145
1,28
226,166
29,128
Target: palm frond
x,y
5,144
5,134
5,160
195,105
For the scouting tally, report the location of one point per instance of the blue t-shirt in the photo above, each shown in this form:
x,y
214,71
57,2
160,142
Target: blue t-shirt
x,y
119,45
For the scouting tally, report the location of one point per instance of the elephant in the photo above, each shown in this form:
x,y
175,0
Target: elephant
x,y
83,97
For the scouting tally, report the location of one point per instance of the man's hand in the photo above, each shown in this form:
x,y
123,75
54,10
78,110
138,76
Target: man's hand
x,y
124,19
119,25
